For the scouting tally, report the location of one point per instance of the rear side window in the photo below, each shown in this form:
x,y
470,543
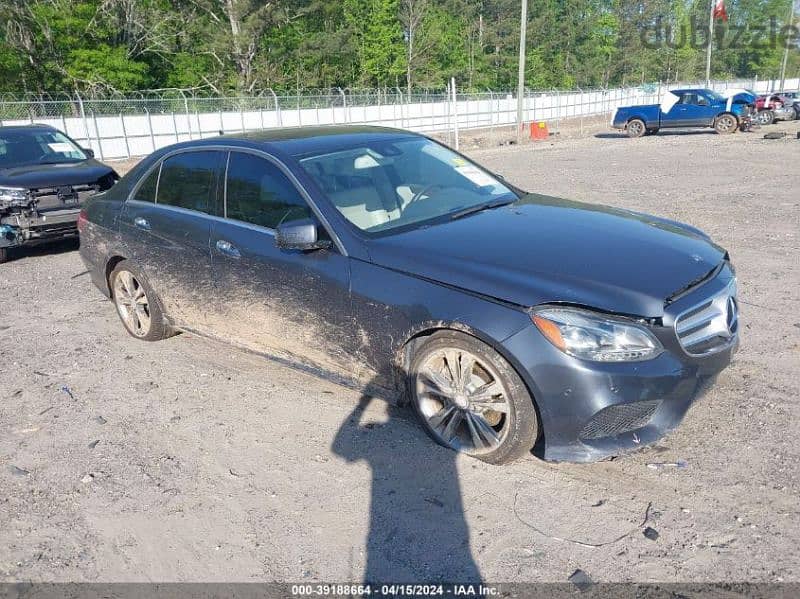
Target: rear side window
x,y
146,192
258,192
189,180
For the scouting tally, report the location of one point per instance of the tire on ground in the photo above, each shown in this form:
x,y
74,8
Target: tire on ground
x,y
726,124
524,422
159,329
765,117
636,128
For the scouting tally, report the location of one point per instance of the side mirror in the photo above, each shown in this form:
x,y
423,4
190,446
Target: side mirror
x,y
300,235
89,152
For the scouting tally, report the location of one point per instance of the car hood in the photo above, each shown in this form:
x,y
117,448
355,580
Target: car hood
x,y
33,176
542,249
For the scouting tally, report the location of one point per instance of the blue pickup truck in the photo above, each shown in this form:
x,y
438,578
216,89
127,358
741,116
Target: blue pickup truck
x,y
684,108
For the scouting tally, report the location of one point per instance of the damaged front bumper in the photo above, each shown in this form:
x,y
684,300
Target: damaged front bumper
x,y
29,228
590,411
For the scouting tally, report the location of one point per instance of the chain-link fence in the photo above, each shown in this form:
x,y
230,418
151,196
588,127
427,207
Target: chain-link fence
x,y
136,124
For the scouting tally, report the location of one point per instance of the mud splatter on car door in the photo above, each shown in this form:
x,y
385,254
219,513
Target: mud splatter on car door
x,y
268,298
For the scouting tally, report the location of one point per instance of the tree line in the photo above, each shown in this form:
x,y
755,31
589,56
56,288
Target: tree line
x,y
242,46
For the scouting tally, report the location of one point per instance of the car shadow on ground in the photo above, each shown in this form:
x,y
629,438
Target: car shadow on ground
x,y
678,132
45,249
417,527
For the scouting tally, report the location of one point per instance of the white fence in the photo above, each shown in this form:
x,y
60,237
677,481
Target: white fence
x,y
122,128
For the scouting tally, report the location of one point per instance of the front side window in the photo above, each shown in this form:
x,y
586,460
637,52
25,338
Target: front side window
x,y
189,180
713,96
393,183
258,192
23,147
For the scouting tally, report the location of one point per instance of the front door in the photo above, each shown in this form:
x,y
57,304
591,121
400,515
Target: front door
x,y
287,302
691,110
166,227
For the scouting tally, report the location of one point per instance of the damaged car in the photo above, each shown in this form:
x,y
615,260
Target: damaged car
x,y
44,179
509,320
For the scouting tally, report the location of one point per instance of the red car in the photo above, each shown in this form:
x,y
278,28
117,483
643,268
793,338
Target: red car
x,y
776,107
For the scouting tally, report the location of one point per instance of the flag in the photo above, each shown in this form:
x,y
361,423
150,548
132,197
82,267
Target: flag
x,y
720,12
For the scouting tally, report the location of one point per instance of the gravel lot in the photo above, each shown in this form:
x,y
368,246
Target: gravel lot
x,y
187,460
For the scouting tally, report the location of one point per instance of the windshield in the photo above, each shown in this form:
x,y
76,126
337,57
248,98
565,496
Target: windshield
x,y
389,184
23,147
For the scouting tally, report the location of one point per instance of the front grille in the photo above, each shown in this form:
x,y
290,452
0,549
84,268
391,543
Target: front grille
x,y
711,325
619,418
49,198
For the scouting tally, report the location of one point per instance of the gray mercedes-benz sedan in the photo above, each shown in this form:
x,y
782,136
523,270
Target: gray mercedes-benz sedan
x,y
507,319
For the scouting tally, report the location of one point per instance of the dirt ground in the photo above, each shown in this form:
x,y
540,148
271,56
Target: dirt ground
x,y
186,460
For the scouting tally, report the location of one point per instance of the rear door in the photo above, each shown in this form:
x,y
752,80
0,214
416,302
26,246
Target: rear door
x,y
166,226
272,300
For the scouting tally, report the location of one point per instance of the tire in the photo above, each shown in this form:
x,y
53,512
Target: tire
x,y
128,287
726,124
3,255
765,117
636,128
457,414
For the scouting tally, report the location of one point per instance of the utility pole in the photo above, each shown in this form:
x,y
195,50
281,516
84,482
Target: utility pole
x,y
523,26
790,21
710,41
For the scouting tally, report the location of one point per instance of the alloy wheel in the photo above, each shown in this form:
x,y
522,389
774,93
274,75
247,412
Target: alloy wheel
x,y
725,124
764,117
635,128
463,401
132,303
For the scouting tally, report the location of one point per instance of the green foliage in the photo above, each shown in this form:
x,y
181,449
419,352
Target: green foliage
x,y
229,46
379,40
107,66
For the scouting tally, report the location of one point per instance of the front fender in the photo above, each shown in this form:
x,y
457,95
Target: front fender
x,y
391,307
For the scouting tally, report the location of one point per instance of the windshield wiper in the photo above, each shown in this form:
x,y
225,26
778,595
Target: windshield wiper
x,y
481,207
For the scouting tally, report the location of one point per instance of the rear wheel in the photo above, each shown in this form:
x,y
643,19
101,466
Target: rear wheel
x,y
137,304
470,399
727,123
636,128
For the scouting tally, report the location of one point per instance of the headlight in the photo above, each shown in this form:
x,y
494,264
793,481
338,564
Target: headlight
x,y
13,196
594,336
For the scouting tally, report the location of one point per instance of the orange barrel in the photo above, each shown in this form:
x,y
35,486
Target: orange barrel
x,y
539,130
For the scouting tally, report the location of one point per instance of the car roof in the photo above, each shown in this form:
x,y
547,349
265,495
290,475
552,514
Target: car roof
x,y
24,127
692,90
298,141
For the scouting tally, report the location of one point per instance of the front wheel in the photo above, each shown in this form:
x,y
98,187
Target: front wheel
x,y
727,123
765,117
470,399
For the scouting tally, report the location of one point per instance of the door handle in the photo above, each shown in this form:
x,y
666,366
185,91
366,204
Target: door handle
x,y
141,223
227,248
